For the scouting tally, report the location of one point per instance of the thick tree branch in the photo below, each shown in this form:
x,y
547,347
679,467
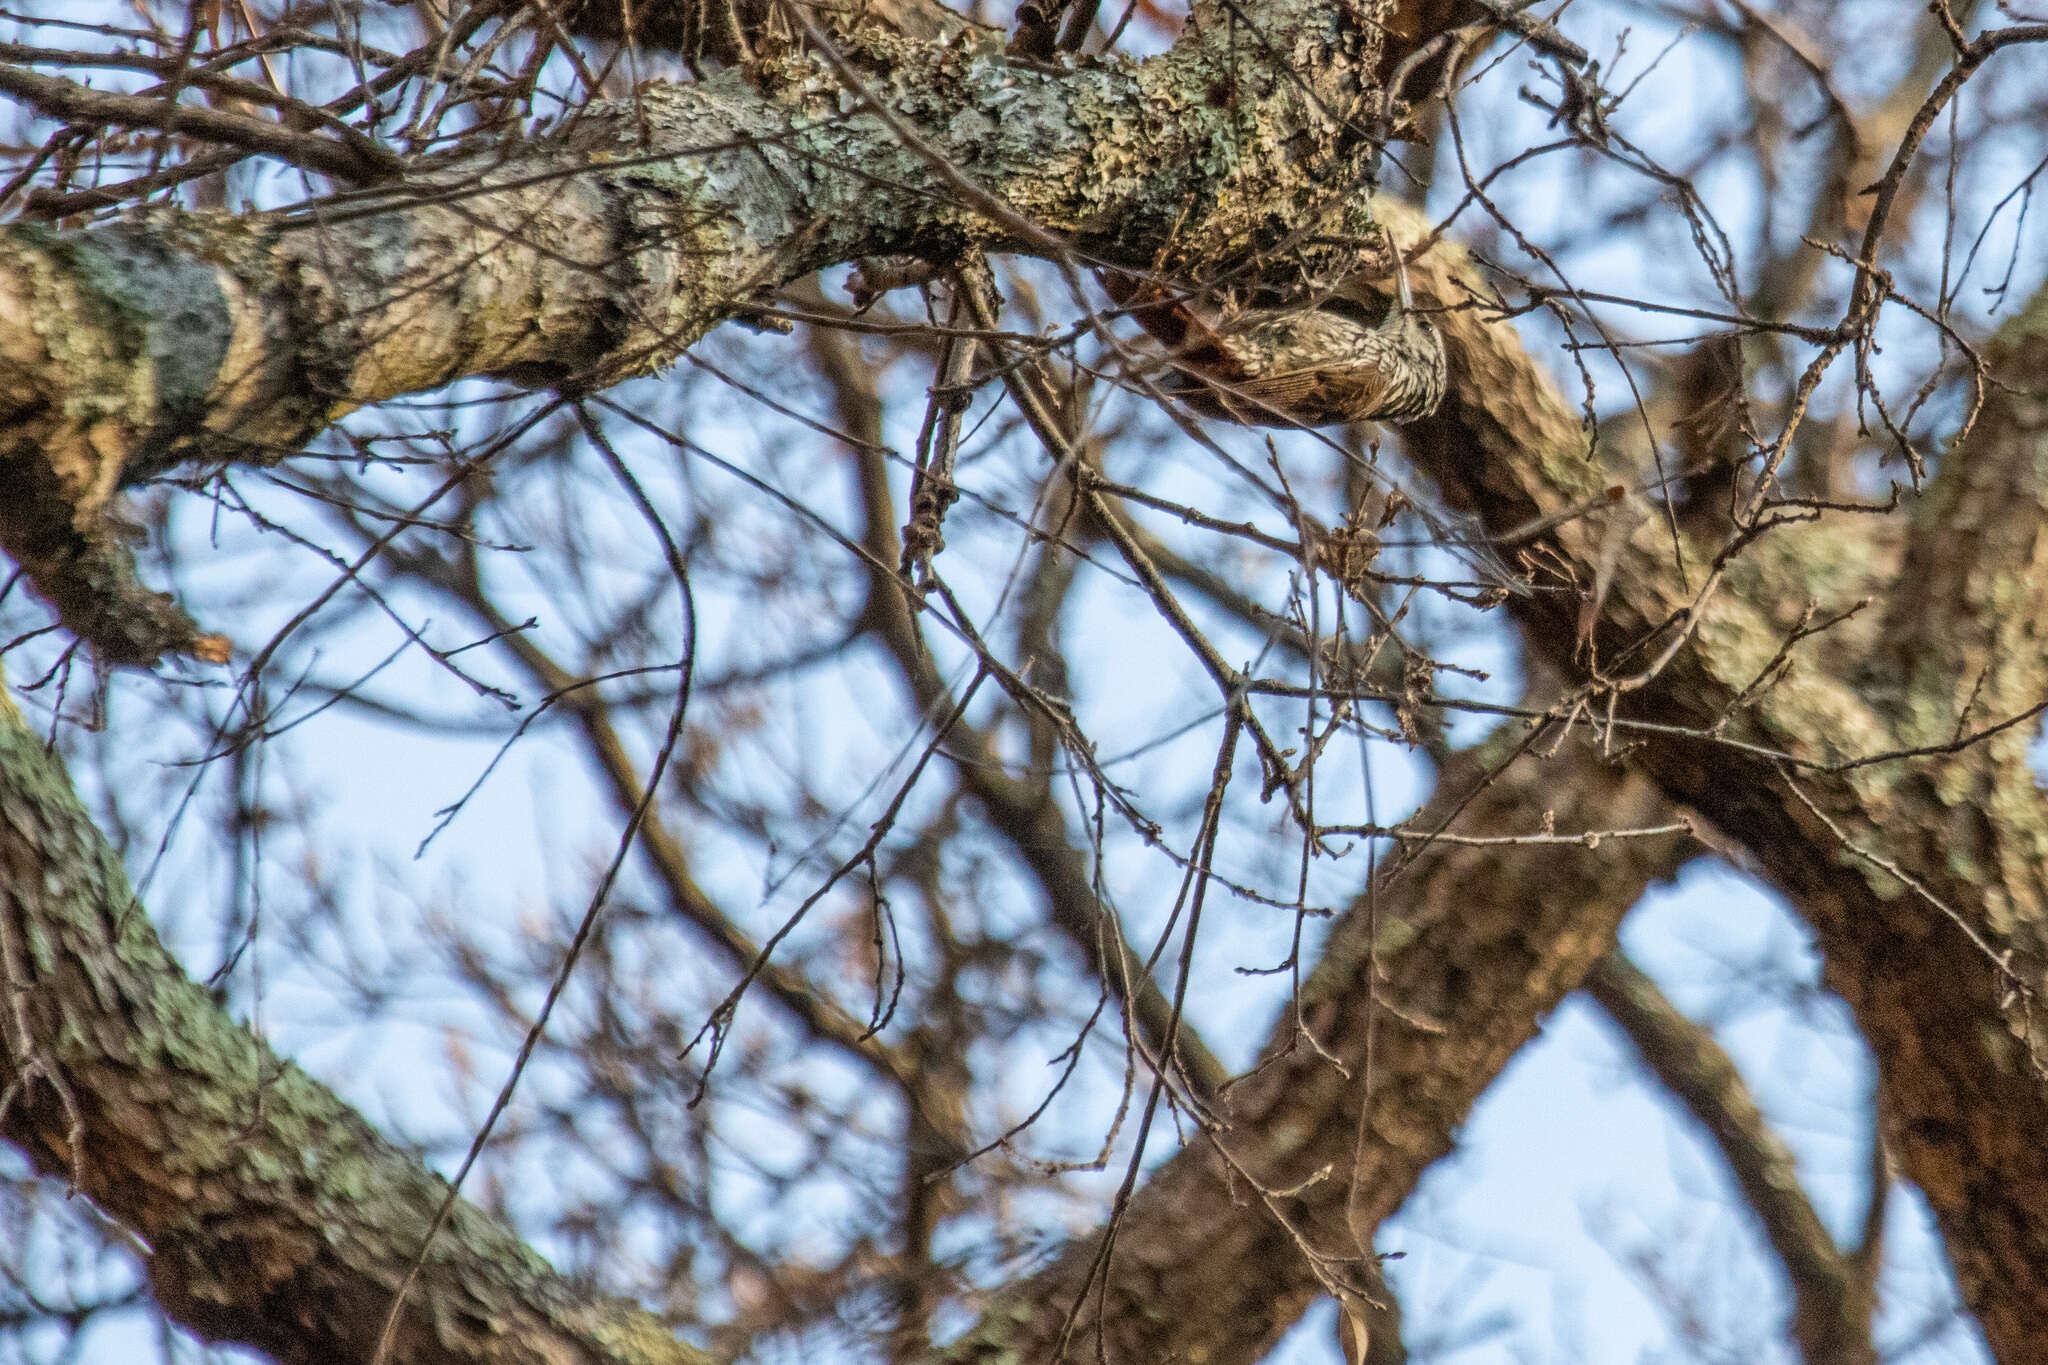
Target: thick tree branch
x,y
128,352
1473,949
1966,628
601,253
273,1214
1944,970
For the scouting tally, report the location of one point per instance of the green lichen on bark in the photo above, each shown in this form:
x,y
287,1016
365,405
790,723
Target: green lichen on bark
x,y
275,1215
581,259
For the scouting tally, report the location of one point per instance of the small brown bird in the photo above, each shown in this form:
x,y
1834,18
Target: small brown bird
x,y
1298,367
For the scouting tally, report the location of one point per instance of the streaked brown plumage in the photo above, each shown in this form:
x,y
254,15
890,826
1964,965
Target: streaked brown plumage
x,y
1307,367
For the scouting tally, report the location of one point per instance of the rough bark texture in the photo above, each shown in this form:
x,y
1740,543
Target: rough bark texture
x,y
1476,945
278,1218
274,1215
1944,975
578,259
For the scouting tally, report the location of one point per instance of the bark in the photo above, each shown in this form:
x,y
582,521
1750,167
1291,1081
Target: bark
x,y
277,1217
578,258
1475,944
1922,875
272,1214
604,250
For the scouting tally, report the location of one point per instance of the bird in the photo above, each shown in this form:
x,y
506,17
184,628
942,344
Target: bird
x,y
1305,366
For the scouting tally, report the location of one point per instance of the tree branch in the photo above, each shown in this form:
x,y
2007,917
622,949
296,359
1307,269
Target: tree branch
x,y
1473,949
273,1214
1833,1295
582,259
1956,1030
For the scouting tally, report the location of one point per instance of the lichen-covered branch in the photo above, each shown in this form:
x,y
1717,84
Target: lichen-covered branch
x,y
1923,872
579,258
272,1213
